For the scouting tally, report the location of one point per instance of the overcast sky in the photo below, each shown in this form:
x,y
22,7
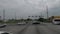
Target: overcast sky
x,y
25,8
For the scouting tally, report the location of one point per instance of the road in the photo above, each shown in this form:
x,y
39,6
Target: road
x,y
45,28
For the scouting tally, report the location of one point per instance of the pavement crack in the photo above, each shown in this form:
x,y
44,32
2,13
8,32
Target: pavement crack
x,y
20,32
37,30
53,30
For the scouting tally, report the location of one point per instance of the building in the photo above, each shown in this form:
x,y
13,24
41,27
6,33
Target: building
x,y
52,17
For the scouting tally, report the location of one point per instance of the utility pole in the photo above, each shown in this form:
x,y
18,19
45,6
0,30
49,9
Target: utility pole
x,y
41,14
4,15
47,11
15,15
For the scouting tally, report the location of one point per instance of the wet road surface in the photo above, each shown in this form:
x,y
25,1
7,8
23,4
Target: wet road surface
x,y
45,28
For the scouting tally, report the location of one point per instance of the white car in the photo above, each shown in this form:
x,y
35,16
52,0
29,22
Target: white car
x,y
56,21
4,32
35,22
23,23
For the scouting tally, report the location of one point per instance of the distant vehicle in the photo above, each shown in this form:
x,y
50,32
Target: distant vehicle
x,y
22,23
26,22
36,22
56,21
4,32
3,25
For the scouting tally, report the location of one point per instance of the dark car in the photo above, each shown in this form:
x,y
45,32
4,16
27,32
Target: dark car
x,y
3,25
36,22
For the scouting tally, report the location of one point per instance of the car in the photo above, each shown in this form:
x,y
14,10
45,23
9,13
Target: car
x,y
22,23
36,22
26,22
5,32
3,25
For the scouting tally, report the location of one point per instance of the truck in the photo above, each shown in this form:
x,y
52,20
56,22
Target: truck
x,y
55,19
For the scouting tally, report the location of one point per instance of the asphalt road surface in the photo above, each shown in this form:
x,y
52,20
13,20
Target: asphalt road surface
x,y
44,28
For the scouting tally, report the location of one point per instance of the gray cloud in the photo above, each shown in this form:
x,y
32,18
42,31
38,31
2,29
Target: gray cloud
x,y
28,7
